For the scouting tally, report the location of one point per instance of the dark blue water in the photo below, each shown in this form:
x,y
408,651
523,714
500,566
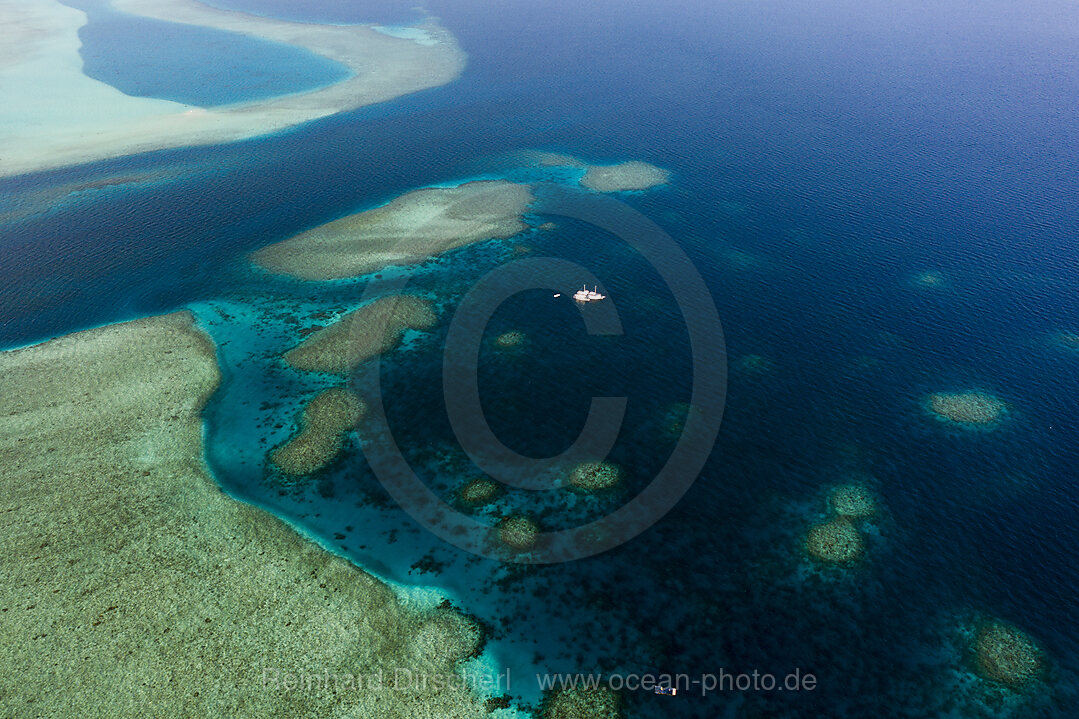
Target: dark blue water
x,y
823,155
194,65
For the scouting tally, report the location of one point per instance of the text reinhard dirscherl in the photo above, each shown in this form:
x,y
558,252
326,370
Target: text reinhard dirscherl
x,y
483,683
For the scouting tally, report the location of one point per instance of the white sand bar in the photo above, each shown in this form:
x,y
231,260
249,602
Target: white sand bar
x,y
53,115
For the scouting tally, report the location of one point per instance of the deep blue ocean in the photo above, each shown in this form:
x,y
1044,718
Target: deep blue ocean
x,y
824,156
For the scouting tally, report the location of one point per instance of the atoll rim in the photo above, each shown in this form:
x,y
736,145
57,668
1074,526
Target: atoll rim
x,y
1006,655
594,476
970,408
852,500
835,541
518,532
479,491
594,703
509,340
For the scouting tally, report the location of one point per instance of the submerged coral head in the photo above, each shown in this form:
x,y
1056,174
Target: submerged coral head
x,y
1005,654
518,532
507,340
594,476
852,500
967,408
835,541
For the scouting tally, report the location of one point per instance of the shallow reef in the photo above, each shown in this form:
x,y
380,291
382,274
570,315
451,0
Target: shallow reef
x,y
627,176
133,585
754,364
674,421
596,703
1067,339
479,491
518,532
41,79
967,408
325,421
835,541
1004,654
408,230
930,278
852,500
595,476
361,334
509,340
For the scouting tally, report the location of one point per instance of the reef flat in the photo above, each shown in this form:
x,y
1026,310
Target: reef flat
x,y
326,419
407,230
632,175
360,335
624,176
133,586
54,115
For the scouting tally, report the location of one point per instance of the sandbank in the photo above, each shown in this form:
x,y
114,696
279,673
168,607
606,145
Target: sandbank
x,y
407,230
325,420
133,586
54,115
361,334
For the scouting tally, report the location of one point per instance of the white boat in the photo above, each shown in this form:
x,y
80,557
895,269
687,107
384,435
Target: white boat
x,y
588,295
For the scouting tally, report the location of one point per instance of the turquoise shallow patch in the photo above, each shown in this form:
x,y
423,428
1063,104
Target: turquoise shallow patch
x,y
193,65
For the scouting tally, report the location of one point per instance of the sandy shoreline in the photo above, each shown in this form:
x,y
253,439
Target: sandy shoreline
x,y
134,586
54,115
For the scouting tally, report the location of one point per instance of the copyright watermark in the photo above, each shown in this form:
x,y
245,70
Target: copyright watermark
x,y
400,679
605,417
703,684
